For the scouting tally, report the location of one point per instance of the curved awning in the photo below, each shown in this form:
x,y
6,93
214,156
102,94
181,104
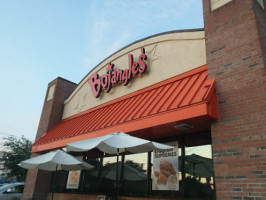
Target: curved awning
x,y
189,95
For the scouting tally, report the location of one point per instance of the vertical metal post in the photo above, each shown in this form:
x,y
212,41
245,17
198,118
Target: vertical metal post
x,y
116,179
183,165
83,174
149,174
122,172
99,179
53,182
82,181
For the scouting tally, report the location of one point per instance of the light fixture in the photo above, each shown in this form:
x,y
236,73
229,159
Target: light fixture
x,y
183,127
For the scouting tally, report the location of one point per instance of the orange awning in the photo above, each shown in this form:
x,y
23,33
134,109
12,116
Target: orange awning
x,y
189,95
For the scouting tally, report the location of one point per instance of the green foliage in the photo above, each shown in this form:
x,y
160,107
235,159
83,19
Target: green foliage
x,y
135,165
16,150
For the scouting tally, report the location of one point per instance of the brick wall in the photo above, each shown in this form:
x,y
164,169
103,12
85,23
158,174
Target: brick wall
x,y
53,109
38,181
260,14
235,49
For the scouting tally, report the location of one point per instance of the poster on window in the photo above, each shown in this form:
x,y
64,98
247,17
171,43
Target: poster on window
x,y
73,180
165,169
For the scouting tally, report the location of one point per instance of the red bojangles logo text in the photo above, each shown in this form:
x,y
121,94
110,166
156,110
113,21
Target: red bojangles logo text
x,y
120,76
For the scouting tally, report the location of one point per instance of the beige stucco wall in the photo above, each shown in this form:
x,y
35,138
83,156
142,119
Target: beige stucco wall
x,y
218,3
168,55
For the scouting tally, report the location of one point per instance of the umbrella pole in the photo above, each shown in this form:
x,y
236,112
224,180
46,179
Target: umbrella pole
x,y
194,169
122,172
53,182
99,179
116,179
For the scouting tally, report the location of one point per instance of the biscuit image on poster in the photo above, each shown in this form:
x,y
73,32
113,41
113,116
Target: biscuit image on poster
x,y
73,177
166,175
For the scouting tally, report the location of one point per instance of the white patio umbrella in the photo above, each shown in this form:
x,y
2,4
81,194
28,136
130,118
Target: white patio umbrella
x,y
54,161
116,143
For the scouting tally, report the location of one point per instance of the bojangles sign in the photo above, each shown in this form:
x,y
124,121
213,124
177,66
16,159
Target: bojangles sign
x,y
120,76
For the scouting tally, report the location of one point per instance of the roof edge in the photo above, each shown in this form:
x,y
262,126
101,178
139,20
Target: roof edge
x,y
180,76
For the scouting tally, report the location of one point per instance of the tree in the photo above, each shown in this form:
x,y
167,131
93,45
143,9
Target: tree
x,y
135,165
15,151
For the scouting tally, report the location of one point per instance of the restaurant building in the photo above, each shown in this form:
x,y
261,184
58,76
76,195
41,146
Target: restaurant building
x,y
202,90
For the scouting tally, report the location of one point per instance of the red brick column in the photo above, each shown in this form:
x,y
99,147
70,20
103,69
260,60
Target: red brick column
x,y
235,51
38,181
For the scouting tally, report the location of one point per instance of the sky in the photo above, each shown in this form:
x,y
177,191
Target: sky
x,y
41,40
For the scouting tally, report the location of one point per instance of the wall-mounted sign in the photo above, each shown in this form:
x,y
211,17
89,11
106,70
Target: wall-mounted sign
x,y
73,180
120,76
165,169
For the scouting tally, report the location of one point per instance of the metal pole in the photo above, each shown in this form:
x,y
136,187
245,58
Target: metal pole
x,y
183,153
99,179
83,179
83,173
53,183
148,191
116,182
122,172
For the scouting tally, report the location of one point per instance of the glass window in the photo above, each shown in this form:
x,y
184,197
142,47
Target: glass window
x,y
90,179
58,182
134,179
16,189
194,172
107,183
11,190
199,173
